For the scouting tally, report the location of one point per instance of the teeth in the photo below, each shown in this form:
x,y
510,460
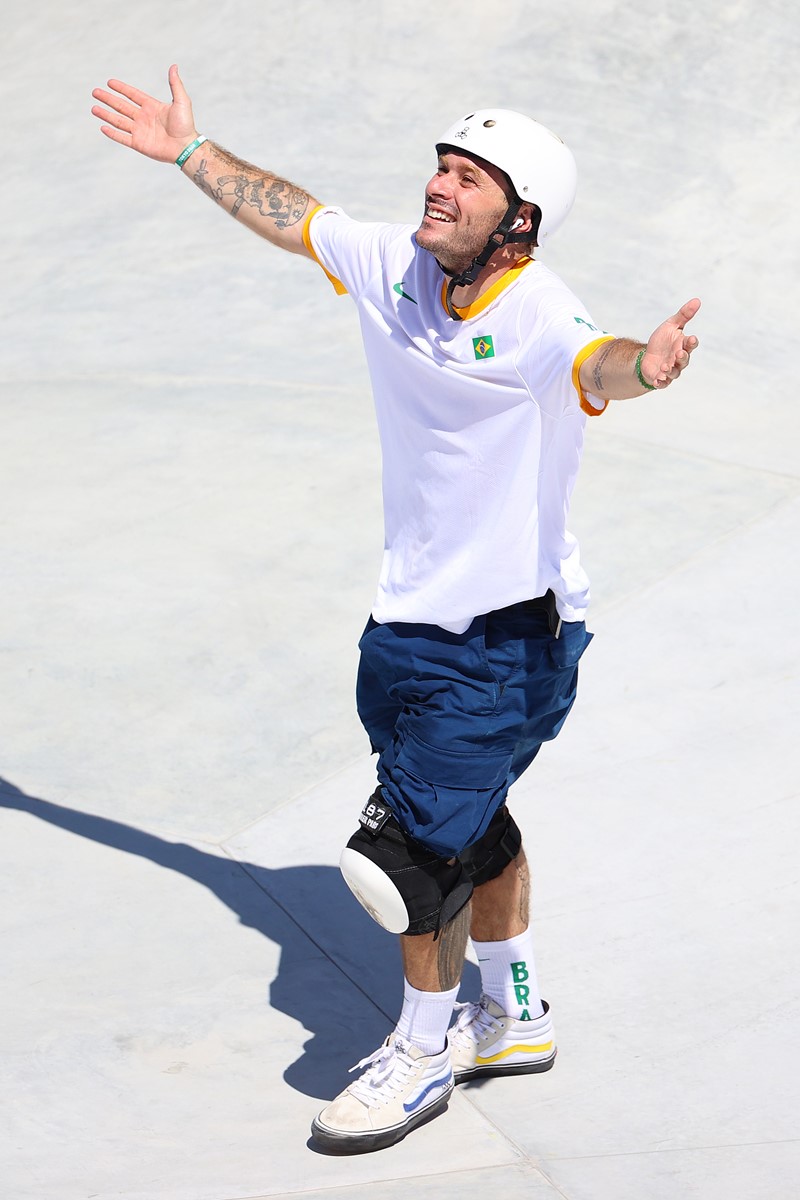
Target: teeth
x,y
437,216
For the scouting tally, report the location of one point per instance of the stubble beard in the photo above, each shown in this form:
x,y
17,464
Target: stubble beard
x,y
454,248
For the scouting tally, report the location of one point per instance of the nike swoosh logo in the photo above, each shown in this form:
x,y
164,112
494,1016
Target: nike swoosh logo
x,y
398,287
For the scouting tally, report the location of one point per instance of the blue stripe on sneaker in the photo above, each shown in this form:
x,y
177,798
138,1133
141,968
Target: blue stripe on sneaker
x,y
409,1108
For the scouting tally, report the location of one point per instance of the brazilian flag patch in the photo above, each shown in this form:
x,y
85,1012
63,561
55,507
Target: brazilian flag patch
x,y
483,347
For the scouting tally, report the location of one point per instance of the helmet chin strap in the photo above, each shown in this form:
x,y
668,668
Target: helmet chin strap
x,y
501,236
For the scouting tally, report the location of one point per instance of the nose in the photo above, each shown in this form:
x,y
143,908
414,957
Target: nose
x,y
438,188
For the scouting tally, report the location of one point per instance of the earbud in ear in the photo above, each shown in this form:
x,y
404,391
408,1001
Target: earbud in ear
x,y
519,221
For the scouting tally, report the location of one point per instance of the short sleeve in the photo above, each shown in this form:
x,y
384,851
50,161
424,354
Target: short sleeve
x,y
563,337
349,252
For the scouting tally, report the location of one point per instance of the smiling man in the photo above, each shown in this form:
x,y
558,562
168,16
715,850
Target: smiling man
x,y
484,367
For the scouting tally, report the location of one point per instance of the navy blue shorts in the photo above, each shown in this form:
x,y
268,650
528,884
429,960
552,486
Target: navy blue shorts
x,y
456,717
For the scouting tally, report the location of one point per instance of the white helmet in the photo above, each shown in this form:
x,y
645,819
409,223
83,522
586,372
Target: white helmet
x,y
541,168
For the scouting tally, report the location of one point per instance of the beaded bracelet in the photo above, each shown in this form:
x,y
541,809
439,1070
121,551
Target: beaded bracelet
x,y
651,387
190,149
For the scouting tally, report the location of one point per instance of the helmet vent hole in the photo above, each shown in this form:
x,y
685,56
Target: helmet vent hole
x,y
489,124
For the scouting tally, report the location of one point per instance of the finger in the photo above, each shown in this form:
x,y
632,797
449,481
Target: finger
x,y
132,93
116,135
671,371
667,372
116,119
120,106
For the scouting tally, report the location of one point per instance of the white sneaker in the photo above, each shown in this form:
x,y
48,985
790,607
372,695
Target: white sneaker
x,y
402,1088
485,1042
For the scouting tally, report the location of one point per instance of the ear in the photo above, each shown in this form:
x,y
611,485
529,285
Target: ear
x,y
527,222
524,219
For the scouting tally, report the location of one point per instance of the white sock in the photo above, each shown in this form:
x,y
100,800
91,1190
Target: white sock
x,y
508,975
425,1018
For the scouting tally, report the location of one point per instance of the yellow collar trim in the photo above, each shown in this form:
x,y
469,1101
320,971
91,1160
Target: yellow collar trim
x,y
483,302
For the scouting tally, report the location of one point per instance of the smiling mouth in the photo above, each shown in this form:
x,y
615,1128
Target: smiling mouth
x,y
436,214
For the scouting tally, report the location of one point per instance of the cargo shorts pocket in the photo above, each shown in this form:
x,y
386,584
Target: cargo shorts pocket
x,y
566,650
502,650
443,798
481,768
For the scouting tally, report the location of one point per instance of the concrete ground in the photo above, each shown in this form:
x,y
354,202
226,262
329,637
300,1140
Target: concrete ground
x,y
190,534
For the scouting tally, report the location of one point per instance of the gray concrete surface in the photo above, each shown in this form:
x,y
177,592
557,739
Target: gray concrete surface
x,y
189,539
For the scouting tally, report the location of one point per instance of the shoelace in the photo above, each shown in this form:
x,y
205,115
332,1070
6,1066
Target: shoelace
x,y
472,1022
389,1068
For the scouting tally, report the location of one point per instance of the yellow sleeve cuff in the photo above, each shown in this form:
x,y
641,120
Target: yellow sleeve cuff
x,y
338,286
580,359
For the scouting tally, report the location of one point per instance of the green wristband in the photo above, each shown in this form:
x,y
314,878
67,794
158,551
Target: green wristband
x,y
190,149
651,387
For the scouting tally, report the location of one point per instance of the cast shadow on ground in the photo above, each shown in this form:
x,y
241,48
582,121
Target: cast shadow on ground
x,y
291,906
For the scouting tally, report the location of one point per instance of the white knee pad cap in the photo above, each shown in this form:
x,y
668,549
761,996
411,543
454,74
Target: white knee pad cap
x,y
374,890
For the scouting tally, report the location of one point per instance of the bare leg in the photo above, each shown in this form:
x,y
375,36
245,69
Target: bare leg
x,y
498,910
436,966
501,907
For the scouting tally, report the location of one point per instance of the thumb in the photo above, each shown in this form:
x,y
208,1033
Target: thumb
x,y
176,85
686,312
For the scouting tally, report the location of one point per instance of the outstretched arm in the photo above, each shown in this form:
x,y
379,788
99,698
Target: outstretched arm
x,y
617,372
265,203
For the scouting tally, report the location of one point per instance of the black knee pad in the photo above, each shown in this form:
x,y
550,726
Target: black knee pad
x,y
490,855
404,886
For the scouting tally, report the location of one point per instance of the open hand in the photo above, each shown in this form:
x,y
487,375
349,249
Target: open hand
x,y
134,119
669,349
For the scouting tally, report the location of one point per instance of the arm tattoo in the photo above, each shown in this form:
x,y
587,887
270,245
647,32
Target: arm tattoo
x,y
200,178
452,944
276,199
598,367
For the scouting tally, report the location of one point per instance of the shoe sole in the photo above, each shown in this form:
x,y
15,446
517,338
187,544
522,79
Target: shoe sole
x,y
378,1139
491,1070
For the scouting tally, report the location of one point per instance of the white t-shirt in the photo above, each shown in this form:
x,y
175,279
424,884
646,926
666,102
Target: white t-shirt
x,y
481,424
